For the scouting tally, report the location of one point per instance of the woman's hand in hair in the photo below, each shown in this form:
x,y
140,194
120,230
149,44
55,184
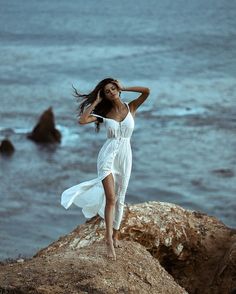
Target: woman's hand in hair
x,y
119,86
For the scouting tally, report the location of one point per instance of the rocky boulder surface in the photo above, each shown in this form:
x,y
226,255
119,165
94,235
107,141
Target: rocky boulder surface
x,y
165,249
87,270
45,131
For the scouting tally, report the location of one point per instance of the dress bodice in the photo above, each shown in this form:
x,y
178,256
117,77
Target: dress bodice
x,y
116,129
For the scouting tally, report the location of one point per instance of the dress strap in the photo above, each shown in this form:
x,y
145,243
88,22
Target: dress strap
x,y
99,116
127,105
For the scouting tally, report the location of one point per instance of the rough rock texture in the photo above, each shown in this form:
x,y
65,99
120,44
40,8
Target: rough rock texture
x,y
6,147
87,270
45,131
197,250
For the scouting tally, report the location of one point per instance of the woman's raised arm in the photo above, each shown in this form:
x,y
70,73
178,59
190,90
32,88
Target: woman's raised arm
x,y
134,104
86,116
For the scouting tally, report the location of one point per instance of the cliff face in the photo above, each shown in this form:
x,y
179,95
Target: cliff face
x,y
165,249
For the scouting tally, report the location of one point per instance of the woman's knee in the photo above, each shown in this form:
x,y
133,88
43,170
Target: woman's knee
x,y
111,200
108,184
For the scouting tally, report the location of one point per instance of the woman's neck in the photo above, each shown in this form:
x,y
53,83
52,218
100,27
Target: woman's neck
x,y
117,105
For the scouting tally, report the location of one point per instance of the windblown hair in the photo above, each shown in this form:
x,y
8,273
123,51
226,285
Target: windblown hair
x,y
102,108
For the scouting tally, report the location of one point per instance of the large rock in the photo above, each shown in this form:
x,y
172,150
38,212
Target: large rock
x,y
45,131
87,270
197,250
6,147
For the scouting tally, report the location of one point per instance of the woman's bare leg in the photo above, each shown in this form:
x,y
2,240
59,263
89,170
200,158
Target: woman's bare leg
x,y
119,207
108,184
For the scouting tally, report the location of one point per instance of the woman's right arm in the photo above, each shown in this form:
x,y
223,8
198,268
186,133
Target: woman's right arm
x,y
86,116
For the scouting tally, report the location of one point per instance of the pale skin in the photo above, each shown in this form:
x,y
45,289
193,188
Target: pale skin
x,y
118,112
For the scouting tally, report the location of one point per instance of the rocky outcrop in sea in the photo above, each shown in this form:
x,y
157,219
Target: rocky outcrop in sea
x,y
45,130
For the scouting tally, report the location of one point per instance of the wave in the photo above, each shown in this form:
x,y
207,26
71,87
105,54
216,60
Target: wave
x,y
69,136
180,111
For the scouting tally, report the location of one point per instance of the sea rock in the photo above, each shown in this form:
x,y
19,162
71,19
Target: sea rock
x,y
45,131
165,249
6,147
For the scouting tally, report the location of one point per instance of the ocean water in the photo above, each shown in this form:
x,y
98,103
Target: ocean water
x,y
184,143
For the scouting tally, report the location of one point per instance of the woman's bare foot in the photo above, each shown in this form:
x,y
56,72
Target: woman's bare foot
x,y
110,250
115,237
116,243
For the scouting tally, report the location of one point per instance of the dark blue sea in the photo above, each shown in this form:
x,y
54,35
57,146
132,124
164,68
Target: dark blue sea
x,y
184,143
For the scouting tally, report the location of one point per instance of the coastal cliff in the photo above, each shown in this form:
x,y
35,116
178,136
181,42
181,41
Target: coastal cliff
x,y
165,249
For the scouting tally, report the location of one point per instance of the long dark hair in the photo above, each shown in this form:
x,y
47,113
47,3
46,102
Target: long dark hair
x,y
102,108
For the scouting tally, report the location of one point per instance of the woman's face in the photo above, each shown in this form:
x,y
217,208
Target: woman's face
x,y
111,91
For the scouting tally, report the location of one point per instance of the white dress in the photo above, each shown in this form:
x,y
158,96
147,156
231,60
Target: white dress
x,y
114,157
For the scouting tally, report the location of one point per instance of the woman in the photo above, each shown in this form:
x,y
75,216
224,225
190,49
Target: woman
x,y
105,195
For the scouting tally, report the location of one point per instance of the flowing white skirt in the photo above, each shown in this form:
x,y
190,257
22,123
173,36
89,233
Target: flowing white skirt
x,y
115,157
88,195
